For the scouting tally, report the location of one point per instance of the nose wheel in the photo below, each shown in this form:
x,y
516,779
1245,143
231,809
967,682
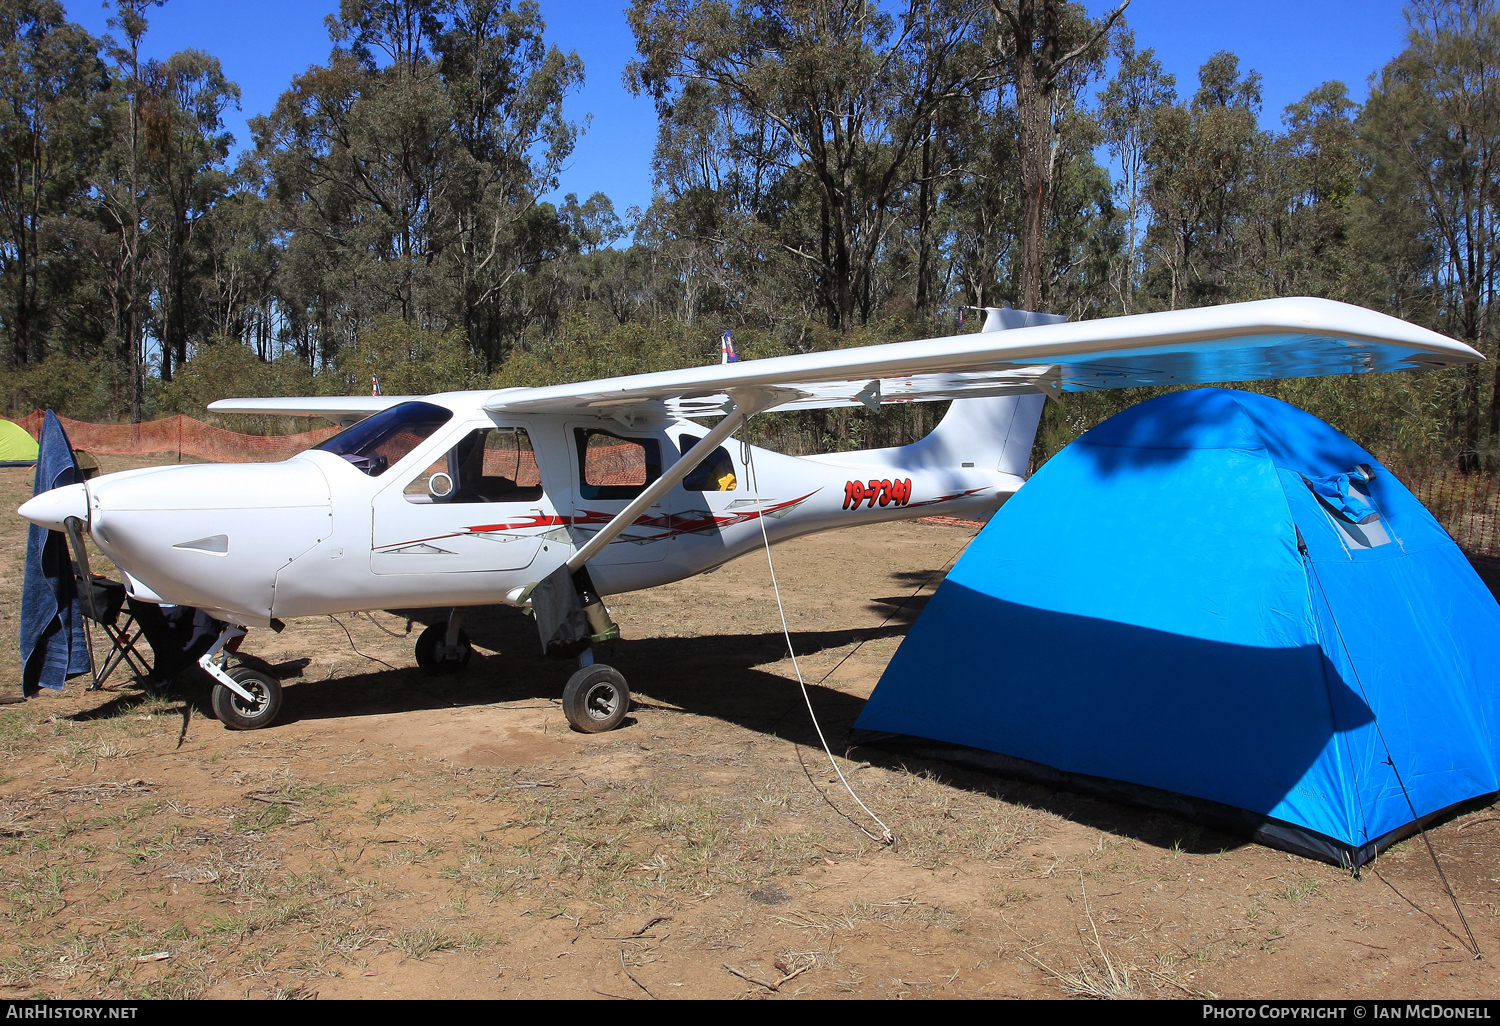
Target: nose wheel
x,y
239,713
436,657
596,699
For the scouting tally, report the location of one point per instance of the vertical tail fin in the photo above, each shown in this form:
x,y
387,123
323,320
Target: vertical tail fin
x,y
989,434
993,434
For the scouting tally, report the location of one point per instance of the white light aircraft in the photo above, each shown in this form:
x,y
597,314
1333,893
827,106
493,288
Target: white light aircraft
x,y
552,497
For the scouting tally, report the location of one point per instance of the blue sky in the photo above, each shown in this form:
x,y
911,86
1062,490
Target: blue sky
x,y
1294,45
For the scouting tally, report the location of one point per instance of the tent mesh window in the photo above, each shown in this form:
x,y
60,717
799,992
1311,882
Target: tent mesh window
x,y
1369,531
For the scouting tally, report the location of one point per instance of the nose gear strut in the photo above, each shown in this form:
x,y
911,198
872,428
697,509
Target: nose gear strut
x,y
243,698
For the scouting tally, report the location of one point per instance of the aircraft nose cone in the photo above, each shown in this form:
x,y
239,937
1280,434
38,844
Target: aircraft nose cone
x,y
50,509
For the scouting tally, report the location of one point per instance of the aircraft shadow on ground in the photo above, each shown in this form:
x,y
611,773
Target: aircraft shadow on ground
x,y
712,675
717,676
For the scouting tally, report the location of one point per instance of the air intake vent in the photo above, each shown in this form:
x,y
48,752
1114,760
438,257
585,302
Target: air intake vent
x,y
218,543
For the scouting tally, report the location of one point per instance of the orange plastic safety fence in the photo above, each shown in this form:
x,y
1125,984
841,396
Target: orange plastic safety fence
x,y
616,465
517,464
608,465
183,435
1467,505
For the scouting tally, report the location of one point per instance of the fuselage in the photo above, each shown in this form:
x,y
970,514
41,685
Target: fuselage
x,y
465,507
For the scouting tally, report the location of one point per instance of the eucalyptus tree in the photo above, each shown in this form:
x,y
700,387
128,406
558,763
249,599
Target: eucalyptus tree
x,y
505,86
364,163
1301,218
1201,162
1431,131
980,202
821,105
51,78
982,206
409,166
1047,48
120,183
1128,106
186,146
236,278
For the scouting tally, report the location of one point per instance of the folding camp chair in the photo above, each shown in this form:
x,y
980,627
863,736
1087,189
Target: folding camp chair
x,y
102,600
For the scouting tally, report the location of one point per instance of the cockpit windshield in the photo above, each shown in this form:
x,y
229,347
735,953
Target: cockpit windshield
x,y
377,443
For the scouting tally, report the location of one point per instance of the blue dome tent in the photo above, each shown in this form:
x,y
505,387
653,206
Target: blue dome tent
x,y
1217,604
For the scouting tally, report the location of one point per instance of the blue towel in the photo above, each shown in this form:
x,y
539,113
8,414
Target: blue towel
x,y
1334,490
53,644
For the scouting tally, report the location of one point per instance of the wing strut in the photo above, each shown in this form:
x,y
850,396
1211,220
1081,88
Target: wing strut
x,y
569,614
743,404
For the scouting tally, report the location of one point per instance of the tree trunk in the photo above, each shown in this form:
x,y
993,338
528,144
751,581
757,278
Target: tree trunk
x,y
1038,62
924,227
1033,114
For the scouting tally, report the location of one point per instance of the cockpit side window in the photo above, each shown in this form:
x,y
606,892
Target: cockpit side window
x,y
376,443
487,465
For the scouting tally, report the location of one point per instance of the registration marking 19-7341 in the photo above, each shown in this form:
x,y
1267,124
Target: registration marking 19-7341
x,y
886,493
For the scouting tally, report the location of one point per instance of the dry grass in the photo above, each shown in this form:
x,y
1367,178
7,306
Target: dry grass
x,y
1096,973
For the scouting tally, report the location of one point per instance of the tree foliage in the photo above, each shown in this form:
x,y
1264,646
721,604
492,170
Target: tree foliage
x,y
827,173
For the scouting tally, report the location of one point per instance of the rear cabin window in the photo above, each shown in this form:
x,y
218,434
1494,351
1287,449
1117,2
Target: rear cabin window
x,y
488,465
714,474
611,466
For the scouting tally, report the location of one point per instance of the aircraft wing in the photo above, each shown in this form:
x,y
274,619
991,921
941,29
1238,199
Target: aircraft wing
x,y
341,409
1274,338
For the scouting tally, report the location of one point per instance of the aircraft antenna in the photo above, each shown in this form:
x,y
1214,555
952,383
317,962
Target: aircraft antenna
x,y
885,837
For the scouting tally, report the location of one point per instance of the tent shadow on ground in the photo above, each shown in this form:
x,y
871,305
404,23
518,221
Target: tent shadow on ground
x,y
904,607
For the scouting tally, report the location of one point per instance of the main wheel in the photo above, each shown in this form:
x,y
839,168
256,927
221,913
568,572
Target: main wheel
x,y
596,699
431,641
236,713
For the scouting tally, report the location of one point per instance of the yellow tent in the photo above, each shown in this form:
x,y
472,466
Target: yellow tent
x,y
17,448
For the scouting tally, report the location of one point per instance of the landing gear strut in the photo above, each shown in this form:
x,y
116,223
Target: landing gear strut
x,y
571,619
444,648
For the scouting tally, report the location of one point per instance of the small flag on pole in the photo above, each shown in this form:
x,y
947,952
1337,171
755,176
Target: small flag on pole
x,y
726,349
375,385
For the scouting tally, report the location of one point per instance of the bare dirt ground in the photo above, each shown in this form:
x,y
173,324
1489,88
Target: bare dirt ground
x,y
395,835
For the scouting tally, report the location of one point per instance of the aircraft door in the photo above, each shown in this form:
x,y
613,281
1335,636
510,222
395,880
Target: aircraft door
x,y
611,470
479,507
